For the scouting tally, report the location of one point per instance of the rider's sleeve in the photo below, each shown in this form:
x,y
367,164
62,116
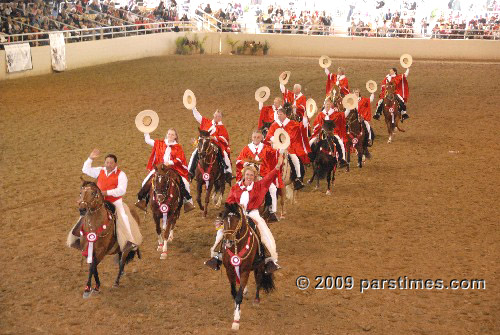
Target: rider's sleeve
x,y
89,170
261,104
282,88
268,179
407,72
197,115
327,72
148,139
122,186
347,111
372,97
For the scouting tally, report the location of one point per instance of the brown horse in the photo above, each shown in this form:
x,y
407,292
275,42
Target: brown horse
x,y
98,234
357,138
392,114
325,160
209,172
243,253
166,204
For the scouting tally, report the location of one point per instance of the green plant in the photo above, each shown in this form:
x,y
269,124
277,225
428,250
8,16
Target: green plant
x,y
232,44
185,47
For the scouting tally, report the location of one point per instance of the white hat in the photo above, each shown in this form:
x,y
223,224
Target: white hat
x,y
311,108
281,139
189,99
350,101
371,86
284,77
406,60
262,94
325,62
147,121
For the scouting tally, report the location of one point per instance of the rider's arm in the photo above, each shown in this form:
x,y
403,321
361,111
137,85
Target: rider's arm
x,y
261,104
148,139
282,88
407,72
347,111
89,170
327,72
197,115
372,96
121,188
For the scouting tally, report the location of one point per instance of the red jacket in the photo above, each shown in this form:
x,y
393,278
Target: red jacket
x,y
340,124
401,84
364,108
219,131
266,115
176,156
320,119
263,153
343,83
257,193
299,144
297,100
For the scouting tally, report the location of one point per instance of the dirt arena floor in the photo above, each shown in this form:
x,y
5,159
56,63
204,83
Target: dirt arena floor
x,y
425,206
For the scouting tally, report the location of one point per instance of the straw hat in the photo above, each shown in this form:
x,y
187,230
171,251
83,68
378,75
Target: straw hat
x,y
350,101
189,99
371,86
406,60
262,94
284,77
147,121
325,62
281,139
311,108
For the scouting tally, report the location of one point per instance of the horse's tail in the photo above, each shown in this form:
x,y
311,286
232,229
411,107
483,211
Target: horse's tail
x,y
400,129
267,282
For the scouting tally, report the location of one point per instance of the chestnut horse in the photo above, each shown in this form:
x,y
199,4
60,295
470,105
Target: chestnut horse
x,y
209,172
357,138
98,234
166,204
392,114
243,253
325,160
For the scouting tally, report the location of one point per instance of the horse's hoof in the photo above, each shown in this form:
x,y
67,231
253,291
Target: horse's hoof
x,y
245,291
160,247
256,302
115,285
309,181
236,325
328,192
315,187
87,294
163,255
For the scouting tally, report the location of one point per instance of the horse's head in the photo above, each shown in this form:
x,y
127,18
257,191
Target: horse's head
x,y
233,220
91,197
205,146
335,92
265,128
161,182
390,88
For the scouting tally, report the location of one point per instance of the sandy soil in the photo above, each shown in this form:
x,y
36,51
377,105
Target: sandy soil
x,y
424,207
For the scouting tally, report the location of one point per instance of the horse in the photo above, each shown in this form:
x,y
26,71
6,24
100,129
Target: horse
x,y
325,160
265,128
357,138
243,253
209,172
291,112
98,234
166,204
392,114
287,175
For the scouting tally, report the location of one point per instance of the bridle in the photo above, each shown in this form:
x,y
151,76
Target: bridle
x,y
207,156
91,206
161,195
327,137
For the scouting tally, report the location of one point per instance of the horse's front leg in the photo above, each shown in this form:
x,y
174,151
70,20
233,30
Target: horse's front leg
x,y
96,278
157,220
239,299
389,130
168,235
88,290
121,265
348,155
328,176
199,189
282,193
207,199
360,156
314,174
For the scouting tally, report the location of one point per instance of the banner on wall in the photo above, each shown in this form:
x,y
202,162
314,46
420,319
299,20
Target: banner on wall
x,y
57,51
18,57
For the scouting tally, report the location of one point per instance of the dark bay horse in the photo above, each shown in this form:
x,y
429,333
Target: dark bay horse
x,y
357,138
324,159
98,234
265,128
166,204
209,172
243,253
392,114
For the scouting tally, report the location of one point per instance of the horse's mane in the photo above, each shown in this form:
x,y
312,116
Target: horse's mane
x,y
287,107
204,133
231,208
87,183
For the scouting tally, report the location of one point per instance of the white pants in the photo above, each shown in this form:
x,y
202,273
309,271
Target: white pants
x,y
341,144
296,164
184,180
224,154
273,190
369,129
121,211
265,234
218,238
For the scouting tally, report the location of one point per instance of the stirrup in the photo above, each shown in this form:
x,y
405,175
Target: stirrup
x,y
214,263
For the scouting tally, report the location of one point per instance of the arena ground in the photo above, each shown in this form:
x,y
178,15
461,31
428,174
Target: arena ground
x,y
425,206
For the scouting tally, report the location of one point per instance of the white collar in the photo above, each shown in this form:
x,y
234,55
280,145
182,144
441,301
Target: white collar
x,y
243,187
218,124
285,122
340,77
256,149
297,95
108,174
167,143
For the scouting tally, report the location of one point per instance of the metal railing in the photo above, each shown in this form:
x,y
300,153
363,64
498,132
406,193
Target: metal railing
x,y
89,34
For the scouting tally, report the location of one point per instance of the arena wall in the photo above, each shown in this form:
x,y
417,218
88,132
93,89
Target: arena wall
x,y
91,53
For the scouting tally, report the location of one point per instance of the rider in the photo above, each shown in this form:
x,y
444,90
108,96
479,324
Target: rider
x,y
401,92
170,153
295,98
264,154
326,115
269,114
364,110
220,137
299,145
113,184
250,194
338,79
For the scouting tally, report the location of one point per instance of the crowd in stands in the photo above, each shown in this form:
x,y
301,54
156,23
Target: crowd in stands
x,y
277,20
227,18
37,16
